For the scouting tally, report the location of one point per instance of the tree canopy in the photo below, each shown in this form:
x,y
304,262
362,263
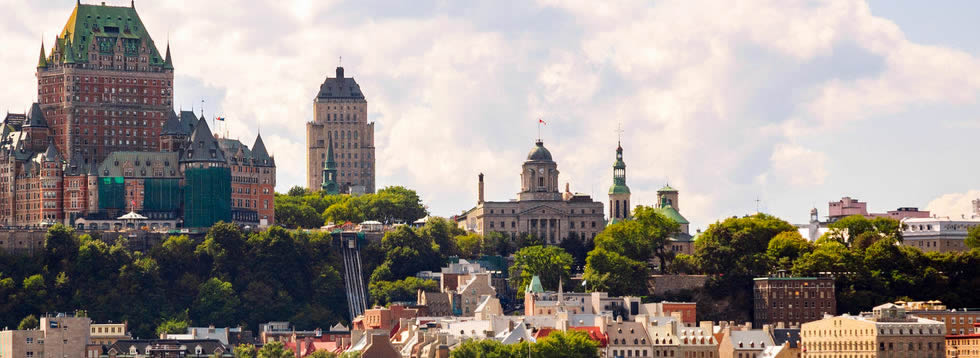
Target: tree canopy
x,y
549,263
300,208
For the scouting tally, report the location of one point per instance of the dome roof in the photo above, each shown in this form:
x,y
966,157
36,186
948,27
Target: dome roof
x,y
539,152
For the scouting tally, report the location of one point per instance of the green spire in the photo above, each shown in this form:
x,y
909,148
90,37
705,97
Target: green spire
x,y
168,63
42,62
69,53
329,184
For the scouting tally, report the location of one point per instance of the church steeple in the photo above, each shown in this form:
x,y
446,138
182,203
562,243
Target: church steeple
x,y
168,63
329,184
619,192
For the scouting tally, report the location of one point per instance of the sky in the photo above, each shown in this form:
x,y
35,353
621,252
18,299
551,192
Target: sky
x,y
777,106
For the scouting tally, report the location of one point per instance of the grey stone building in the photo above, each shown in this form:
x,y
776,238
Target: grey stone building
x,y
540,208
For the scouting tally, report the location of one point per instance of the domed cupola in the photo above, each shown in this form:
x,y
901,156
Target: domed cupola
x,y
539,153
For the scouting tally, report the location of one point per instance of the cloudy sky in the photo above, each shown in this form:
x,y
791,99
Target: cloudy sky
x,y
784,105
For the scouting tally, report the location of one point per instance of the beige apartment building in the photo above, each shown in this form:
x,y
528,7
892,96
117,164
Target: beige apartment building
x,y
957,321
64,335
108,333
340,116
964,345
888,331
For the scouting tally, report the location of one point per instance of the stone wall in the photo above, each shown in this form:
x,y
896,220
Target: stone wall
x,y
31,242
665,284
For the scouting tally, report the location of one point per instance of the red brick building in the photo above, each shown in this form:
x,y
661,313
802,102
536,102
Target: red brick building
x,y
104,140
793,301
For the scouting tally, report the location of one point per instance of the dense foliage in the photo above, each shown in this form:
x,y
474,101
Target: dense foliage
x,y
549,263
226,278
623,252
570,344
300,208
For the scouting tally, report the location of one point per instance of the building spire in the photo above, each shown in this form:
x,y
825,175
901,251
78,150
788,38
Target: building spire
x,y
42,61
329,182
168,63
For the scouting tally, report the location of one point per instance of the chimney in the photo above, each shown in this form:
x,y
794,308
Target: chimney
x,y
340,72
479,190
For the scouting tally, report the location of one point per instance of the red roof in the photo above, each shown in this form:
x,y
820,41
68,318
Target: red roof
x,y
595,333
543,332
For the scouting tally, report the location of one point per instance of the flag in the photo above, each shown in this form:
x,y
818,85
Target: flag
x,y
542,121
220,119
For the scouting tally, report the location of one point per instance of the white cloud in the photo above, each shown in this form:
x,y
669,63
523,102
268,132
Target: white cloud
x,y
800,167
954,204
712,98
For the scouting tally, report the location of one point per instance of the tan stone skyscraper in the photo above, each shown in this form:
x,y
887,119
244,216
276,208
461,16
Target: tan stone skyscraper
x,y
340,116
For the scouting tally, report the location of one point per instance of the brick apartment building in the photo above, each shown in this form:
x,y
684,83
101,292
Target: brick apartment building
x,y
793,301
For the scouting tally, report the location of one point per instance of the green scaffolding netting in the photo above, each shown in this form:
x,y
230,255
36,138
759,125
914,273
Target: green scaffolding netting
x,y
207,196
112,193
161,194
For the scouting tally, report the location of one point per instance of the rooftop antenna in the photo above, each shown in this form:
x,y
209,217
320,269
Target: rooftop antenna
x,y
757,201
340,61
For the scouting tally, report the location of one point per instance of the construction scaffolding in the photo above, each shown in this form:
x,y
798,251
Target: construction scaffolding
x,y
207,196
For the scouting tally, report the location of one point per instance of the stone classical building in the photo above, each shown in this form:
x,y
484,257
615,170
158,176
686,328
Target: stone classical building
x,y
340,111
540,209
887,331
792,301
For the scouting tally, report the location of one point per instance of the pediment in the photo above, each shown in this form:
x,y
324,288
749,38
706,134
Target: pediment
x,y
542,210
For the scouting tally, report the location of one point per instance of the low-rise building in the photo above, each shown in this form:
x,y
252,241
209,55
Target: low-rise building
x,y
957,321
744,342
169,348
63,334
108,333
887,331
964,345
791,301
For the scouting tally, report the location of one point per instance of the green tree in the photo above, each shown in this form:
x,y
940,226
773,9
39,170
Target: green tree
x,y
569,344
297,191
549,263
216,303
442,233
848,229
344,211
172,326
385,292
973,237
29,322
469,245
406,253
249,351
496,243
737,247
323,354
608,271
60,248
684,264
785,248
274,350
644,237
486,348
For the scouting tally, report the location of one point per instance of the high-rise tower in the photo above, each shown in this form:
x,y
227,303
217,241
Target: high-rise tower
x,y
619,192
340,111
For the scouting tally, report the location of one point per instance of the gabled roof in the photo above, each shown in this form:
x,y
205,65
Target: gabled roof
x,y
114,163
202,147
35,118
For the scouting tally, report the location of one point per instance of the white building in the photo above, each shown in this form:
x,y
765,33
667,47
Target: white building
x,y
942,234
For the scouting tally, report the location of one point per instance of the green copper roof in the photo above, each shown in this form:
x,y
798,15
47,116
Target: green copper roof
x,y
42,61
535,286
106,26
666,188
619,189
672,213
329,182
